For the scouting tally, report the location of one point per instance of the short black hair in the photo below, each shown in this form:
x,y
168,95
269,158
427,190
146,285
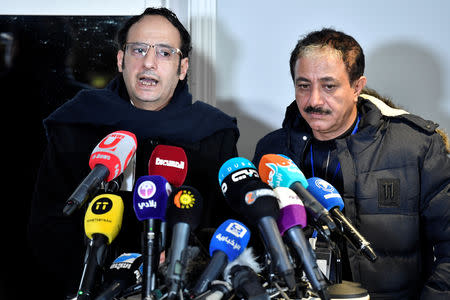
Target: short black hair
x,y
351,52
185,37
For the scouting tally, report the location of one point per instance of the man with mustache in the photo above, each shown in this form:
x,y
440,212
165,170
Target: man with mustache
x,y
391,168
150,98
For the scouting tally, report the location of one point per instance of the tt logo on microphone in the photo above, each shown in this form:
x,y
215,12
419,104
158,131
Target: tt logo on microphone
x,y
101,206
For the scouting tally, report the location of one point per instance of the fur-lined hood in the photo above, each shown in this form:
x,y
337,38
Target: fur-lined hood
x,y
388,108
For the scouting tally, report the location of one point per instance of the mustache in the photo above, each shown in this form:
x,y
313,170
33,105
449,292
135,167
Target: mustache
x,y
148,72
317,110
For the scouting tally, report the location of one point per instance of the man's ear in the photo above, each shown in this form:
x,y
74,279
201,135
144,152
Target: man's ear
x,y
358,86
184,66
120,54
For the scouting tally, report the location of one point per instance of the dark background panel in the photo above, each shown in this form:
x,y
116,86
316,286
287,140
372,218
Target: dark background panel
x,y
44,61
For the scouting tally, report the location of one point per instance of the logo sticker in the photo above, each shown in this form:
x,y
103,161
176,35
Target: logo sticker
x,y
101,206
184,199
244,173
323,185
251,197
236,229
146,189
275,170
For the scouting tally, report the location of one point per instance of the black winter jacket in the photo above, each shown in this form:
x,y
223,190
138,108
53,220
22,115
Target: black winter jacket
x,y
396,178
207,135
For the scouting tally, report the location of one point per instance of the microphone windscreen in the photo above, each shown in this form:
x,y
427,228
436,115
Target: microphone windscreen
x,y
114,152
247,258
104,216
292,210
233,175
185,205
150,197
257,200
231,237
279,170
169,162
325,193
128,267
232,165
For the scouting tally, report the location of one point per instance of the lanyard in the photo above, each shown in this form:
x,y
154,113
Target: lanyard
x,y
328,160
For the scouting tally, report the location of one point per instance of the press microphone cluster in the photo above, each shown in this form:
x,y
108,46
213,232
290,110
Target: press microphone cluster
x,y
277,200
280,171
257,203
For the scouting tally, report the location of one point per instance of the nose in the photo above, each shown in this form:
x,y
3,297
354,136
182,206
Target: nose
x,y
315,98
150,59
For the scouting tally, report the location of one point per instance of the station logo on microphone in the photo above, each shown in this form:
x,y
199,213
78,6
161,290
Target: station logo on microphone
x,y
101,206
184,199
146,189
236,229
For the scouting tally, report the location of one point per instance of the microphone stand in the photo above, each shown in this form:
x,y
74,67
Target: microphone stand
x,y
151,237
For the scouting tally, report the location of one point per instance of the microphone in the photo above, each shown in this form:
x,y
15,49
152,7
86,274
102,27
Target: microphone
x,y
242,274
279,170
108,160
227,243
102,224
249,196
150,201
330,198
185,206
124,272
169,162
290,223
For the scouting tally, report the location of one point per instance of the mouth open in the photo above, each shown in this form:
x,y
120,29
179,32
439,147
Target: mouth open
x,y
147,81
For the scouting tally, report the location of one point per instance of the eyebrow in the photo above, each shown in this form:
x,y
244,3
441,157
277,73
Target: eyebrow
x,y
323,79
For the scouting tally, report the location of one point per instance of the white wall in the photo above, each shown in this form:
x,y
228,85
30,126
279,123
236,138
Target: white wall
x,y
406,44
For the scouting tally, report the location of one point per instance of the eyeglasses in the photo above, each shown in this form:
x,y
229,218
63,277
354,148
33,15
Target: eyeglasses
x,y
140,50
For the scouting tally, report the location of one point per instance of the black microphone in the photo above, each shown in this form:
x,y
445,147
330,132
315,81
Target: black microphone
x,y
242,273
290,223
124,272
256,201
185,206
326,194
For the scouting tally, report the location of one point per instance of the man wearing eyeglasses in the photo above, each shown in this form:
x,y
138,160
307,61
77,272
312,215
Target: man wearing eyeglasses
x,y
150,98
151,63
